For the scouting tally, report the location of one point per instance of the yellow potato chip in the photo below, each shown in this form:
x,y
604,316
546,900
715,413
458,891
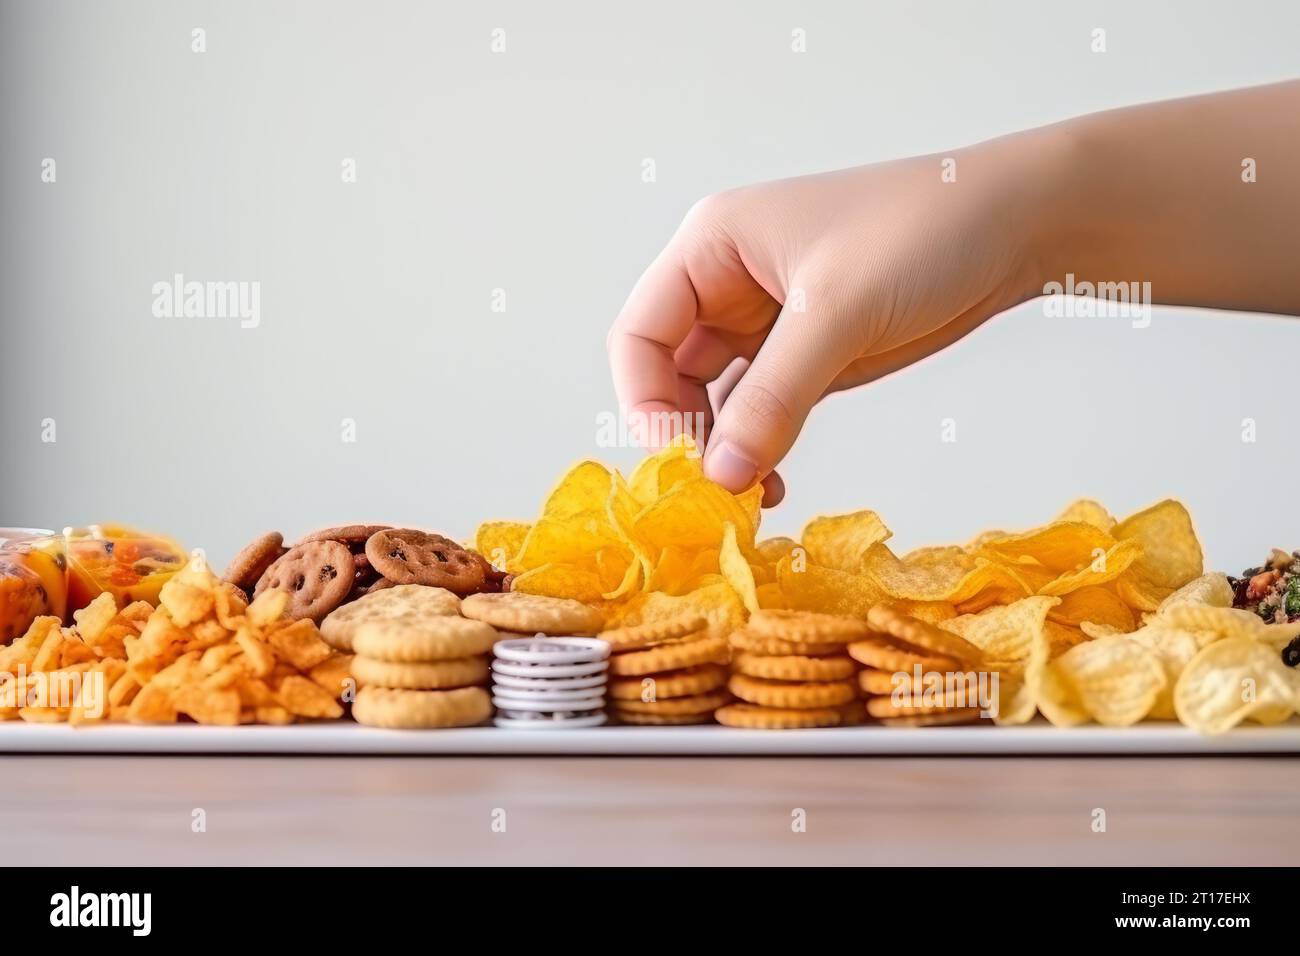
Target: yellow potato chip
x,y
840,542
770,596
574,539
1210,589
583,488
692,515
1060,547
717,601
1088,511
821,589
736,569
1112,680
643,484
1230,680
1102,567
500,541
1223,621
773,550
561,580
1174,649
953,579
1006,632
1094,605
1171,554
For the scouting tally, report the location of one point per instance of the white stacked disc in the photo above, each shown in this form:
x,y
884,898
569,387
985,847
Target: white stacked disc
x,y
549,683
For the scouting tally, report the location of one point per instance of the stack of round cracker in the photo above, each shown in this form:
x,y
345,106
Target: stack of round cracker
x,y
790,671
667,672
899,650
417,662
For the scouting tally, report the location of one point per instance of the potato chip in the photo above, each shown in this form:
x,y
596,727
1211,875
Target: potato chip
x,y
736,569
1212,590
772,550
771,597
1223,621
1007,632
500,541
1094,605
953,579
1061,547
823,589
574,539
1171,553
583,488
1102,567
841,542
563,581
643,484
1174,649
717,601
1230,680
1113,680
693,514
1089,512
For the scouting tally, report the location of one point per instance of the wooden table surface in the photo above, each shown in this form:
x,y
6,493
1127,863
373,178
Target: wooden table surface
x,y
647,811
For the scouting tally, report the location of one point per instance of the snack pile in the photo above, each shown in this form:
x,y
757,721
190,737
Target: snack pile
x,y
650,600
205,653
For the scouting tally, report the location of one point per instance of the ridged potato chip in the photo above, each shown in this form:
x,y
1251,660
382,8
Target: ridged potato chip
x,y
583,488
1174,649
1232,680
1006,632
562,581
500,541
823,589
1112,680
1171,554
736,569
1106,566
1094,605
717,601
840,542
1212,590
1061,547
1088,511
955,579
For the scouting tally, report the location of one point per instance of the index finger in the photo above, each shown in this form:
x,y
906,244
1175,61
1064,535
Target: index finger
x,y
654,321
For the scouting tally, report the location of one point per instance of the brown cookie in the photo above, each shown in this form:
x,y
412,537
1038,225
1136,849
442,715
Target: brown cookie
x,y
251,563
317,576
349,534
407,556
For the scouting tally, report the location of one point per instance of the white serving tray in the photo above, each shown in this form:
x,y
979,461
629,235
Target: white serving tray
x,y
346,738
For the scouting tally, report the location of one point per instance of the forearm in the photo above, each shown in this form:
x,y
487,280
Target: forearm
x,y
1156,193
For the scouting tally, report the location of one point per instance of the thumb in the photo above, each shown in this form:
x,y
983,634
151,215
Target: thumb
x,y
761,417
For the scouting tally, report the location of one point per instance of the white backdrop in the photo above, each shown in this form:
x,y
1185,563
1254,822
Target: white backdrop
x,y
522,171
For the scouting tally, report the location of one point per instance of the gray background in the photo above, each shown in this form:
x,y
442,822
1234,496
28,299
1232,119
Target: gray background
x,y
522,170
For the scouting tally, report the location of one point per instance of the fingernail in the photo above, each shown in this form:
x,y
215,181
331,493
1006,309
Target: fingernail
x,y
729,467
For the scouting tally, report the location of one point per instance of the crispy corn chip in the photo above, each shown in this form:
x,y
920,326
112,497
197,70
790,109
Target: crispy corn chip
x,y
305,698
208,706
300,644
93,619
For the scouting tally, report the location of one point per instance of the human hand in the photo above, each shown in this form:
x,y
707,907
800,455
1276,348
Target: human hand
x,y
770,297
